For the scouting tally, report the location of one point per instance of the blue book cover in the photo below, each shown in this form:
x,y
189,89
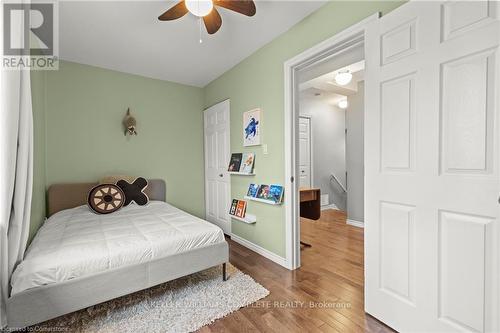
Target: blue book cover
x,y
252,190
275,193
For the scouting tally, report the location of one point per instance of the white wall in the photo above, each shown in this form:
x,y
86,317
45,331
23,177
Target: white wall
x,y
354,155
328,138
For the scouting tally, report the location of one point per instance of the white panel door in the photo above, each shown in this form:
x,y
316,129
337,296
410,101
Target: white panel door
x,y
217,154
305,152
432,167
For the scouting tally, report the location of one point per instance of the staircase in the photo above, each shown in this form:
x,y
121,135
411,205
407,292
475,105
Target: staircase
x,y
340,190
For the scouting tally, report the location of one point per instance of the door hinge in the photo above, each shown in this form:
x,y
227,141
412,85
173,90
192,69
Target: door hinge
x,y
292,179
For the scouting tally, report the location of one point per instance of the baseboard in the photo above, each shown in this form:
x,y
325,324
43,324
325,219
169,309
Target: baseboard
x,y
331,206
355,223
260,250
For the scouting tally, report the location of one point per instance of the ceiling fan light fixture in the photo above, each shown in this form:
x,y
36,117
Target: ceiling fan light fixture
x,y
199,8
343,104
343,77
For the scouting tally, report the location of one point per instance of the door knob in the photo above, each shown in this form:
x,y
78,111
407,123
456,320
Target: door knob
x,y
221,175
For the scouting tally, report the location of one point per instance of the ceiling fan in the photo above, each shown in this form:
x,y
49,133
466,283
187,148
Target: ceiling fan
x,y
206,9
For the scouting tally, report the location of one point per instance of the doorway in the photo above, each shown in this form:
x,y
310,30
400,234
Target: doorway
x,y
332,54
431,163
331,97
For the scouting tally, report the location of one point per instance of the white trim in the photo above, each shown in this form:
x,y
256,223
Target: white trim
x,y
309,56
330,206
355,223
259,250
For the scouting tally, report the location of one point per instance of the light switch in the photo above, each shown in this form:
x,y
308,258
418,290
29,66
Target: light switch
x,y
264,149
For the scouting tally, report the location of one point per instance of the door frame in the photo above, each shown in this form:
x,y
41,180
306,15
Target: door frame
x,y
353,36
311,145
228,102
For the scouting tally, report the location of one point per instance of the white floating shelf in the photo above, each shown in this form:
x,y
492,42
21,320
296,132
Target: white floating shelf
x,y
241,173
269,202
249,218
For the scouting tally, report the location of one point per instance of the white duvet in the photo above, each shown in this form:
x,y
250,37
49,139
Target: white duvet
x,y
77,242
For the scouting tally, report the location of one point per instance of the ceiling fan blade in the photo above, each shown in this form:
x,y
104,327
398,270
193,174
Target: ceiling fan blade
x,y
213,21
245,7
175,12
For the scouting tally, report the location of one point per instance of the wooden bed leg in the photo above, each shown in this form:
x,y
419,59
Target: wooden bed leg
x,y
224,272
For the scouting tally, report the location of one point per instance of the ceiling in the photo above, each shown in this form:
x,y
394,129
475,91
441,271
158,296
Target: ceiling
x,y
127,36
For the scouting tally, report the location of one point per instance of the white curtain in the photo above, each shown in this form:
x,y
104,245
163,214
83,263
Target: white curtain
x,y
16,165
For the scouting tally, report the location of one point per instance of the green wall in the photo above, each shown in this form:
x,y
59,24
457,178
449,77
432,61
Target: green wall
x,y
258,82
78,112
83,107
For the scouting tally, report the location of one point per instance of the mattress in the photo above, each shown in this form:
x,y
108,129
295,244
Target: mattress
x,y
77,242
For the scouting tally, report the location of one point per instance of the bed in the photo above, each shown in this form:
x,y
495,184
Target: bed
x,y
78,258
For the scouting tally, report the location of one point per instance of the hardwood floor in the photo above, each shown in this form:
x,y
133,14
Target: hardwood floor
x,y
324,295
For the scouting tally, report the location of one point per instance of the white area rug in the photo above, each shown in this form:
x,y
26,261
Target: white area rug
x,y
182,305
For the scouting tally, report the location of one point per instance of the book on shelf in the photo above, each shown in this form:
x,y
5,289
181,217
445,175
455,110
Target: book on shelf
x,y
275,193
263,192
234,204
272,193
241,208
252,190
235,162
238,208
247,163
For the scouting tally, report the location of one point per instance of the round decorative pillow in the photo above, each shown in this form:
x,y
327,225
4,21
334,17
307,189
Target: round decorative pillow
x,y
105,198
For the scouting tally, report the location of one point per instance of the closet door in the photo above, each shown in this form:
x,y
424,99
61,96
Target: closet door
x,y
217,154
305,152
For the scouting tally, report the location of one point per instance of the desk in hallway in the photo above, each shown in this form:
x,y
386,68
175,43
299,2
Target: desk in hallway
x,y
310,203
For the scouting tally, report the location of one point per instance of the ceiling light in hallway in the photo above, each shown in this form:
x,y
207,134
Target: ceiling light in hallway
x,y
343,77
343,104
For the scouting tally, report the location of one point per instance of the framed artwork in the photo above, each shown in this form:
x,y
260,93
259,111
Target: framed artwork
x,y
251,127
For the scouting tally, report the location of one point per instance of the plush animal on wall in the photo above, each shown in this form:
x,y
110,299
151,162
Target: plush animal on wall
x,y
130,124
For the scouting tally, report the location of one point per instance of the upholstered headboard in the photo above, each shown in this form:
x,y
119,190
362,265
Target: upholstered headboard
x,y
65,196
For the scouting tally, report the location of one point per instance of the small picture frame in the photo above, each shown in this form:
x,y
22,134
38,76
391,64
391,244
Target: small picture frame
x,y
252,124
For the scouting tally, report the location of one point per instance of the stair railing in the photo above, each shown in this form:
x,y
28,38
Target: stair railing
x,y
335,179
